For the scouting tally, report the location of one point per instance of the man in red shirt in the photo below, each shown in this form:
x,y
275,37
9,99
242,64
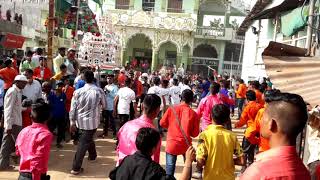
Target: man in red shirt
x,y
122,78
176,139
33,145
42,73
8,74
285,117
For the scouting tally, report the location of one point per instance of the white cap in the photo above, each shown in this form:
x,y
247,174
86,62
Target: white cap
x,y
20,78
35,49
116,69
71,49
144,75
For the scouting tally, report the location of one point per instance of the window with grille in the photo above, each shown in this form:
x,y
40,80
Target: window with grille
x,y
175,6
122,4
148,5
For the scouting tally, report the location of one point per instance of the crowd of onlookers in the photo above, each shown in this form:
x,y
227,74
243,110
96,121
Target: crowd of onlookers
x,y
69,102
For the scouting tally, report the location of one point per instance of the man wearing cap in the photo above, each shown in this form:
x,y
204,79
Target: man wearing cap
x,y
8,74
12,120
57,61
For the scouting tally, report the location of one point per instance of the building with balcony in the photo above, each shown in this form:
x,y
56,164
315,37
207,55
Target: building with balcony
x,y
195,34
34,15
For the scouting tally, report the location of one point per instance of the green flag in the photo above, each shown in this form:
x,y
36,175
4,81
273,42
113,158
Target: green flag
x,y
98,2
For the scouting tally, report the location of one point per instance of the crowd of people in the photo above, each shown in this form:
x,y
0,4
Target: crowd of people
x,y
69,102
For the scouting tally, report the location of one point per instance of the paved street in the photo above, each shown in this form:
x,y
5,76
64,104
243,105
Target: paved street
x,y
61,160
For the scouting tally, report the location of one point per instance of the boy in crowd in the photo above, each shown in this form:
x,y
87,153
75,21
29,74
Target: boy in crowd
x,y
33,145
140,165
57,101
111,91
247,118
284,118
189,124
122,102
175,92
42,73
61,74
126,146
218,146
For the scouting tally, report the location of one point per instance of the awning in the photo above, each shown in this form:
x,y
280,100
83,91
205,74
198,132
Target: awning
x,y
286,5
292,73
12,41
258,7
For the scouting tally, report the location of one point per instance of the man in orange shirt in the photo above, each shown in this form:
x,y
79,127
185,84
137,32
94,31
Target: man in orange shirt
x,y
247,118
241,96
176,139
256,85
253,134
8,74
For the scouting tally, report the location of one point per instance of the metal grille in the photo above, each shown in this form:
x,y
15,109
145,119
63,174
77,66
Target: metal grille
x,y
122,4
175,6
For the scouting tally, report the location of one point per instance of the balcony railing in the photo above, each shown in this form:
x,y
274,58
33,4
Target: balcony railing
x,y
175,10
210,31
12,27
122,6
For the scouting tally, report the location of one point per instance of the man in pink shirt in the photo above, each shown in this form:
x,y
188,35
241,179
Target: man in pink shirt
x,y
284,118
128,132
33,145
206,105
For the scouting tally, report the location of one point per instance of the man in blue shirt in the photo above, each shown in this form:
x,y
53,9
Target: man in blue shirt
x,y
111,92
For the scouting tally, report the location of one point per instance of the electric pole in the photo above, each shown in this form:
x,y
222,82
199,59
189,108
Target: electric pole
x,y
51,20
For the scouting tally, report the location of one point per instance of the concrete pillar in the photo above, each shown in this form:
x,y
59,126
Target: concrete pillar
x,y
221,58
196,6
123,57
179,59
131,4
154,63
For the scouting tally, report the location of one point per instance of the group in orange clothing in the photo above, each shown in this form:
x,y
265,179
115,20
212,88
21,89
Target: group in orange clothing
x,y
248,118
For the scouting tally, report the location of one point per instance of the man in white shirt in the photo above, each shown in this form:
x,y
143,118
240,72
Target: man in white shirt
x,y
59,60
35,58
122,101
12,120
33,90
175,93
157,90
185,85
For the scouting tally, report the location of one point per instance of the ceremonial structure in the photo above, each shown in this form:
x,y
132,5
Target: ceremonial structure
x,y
195,34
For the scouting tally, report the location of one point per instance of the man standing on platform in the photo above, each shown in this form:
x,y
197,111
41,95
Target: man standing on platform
x,y
85,115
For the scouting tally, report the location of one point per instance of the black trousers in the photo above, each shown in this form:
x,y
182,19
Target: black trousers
x,y
60,124
108,119
123,118
86,143
248,150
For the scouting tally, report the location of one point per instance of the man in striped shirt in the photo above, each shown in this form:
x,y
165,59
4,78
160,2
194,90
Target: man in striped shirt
x,y
85,111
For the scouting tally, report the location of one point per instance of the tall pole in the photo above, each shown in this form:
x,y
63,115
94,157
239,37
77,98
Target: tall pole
x,y
76,37
310,24
231,71
50,32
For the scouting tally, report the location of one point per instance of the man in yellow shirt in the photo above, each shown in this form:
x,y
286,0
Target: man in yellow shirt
x,y
218,146
62,73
